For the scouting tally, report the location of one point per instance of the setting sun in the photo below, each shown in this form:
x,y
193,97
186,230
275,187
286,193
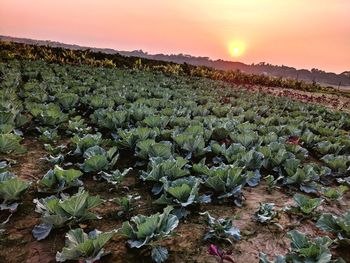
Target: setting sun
x,y
236,48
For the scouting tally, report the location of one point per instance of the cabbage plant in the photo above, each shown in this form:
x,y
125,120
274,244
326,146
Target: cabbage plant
x,y
263,258
339,225
192,144
98,159
10,143
171,169
148,231
334,193
149,148
220,228
305,205
248,139
87,248
109,119
69,210
156,121
11,190
116,177
304,177
67,100
85,142
181,192
127,139
306,250
77,125
339,164
225,181
266,213
57,179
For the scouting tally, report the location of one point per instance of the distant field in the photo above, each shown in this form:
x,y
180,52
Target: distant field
x,y
168,167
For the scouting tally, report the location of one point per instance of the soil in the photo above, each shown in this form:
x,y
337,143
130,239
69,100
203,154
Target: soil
x,y
18,245
335,102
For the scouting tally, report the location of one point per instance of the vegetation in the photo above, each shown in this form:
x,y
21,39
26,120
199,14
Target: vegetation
x,y
129,140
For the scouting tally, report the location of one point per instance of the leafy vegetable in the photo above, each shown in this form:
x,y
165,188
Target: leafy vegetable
x,y
340,163
220,228
143,231
334,193
10,143
182,192
58,179
266,213
11,189
305,205
305,250
98,159
339,225
80,245
226,182
127,204
264,259
149,148
116,177
56,213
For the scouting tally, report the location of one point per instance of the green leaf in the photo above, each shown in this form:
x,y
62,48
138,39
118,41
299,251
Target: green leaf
x,y
10,143
159,254
299,240
81,245
328,223
95,164
11,190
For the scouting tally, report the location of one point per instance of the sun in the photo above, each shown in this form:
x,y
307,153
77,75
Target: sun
x,y
236,48
235,51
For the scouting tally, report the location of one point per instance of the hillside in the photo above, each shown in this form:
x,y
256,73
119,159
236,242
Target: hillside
x,y
314,75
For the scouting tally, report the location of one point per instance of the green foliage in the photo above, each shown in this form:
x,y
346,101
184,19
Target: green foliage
x,y
128,139
226,181
339,225
127,204
68,100
10,143
171,169
116,177
69,210
110,119
264,259
77,125
11,189
48,135
192,144
220,228
266,213
142,231
58,179
181,192
305,250
334,193
80,245
149,148
98,159
340,163
305,205
85,142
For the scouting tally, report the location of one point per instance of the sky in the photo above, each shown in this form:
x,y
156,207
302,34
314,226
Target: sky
x,y
299,33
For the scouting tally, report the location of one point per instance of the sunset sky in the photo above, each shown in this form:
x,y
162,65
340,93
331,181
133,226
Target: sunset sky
x,y
298,33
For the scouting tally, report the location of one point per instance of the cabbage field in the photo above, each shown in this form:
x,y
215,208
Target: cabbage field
x,y
105,164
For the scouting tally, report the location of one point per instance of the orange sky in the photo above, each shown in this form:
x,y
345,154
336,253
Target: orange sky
x,y
299,33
